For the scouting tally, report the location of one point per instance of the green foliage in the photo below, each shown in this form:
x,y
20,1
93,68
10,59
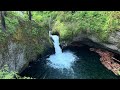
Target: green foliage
x,y
100,23
6,74
11,24
32,35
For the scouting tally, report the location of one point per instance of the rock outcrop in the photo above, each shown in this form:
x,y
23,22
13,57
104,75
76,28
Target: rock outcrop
x,y
13,56
17,56
112,43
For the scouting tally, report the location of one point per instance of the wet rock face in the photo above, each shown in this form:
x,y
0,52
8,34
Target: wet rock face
x,y
17,56
114,38
112,44
14,57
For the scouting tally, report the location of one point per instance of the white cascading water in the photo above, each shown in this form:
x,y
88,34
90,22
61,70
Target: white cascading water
x,y
60,60
58,50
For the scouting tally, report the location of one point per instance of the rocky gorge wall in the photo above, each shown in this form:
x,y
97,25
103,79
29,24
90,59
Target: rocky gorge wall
x,y
18,56
13,56
112,43
28,43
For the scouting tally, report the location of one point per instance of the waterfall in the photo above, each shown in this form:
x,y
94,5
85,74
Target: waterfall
x,y
58,50
56,43
60,59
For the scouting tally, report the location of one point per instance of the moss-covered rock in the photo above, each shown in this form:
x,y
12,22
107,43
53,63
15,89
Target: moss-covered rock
x,y
24,45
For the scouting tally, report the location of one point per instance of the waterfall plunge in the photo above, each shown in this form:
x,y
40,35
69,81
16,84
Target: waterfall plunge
x,y
59,59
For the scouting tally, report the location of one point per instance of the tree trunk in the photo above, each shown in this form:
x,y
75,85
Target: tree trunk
x,y
50,24
30,15
3,21
5,13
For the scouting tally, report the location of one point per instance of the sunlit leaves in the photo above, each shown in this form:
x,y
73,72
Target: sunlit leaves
x,y
101,23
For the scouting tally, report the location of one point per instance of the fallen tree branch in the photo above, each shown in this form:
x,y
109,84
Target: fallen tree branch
x,y
115,59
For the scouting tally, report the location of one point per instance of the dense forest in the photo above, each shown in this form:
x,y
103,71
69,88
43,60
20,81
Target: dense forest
x,y
24,35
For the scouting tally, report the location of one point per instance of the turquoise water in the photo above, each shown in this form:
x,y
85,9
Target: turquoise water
x,y
72,63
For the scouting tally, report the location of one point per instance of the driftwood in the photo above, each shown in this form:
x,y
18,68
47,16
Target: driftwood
x,y
115,59
108,60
